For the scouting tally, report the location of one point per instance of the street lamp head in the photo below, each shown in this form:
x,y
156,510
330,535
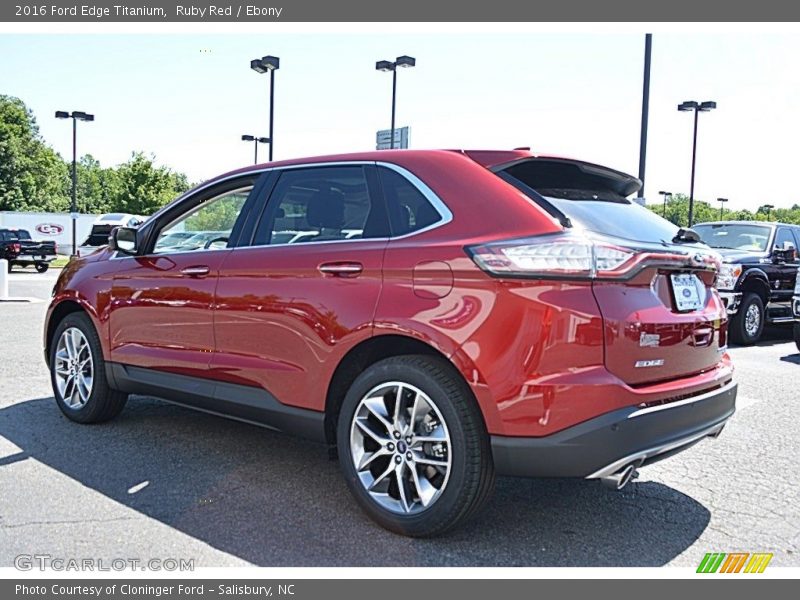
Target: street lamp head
x,y
248,138
722,199
665,193
384,65
82,116
271,63
263,140
708,105
265,64
255,64
688,105
405,61
60,114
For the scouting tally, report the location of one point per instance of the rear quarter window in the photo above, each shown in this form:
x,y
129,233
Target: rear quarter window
x,y
409,209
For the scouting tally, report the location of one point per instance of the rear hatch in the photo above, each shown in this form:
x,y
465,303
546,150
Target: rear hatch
x,y
662,317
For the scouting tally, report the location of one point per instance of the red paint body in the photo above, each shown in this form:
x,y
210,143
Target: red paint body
x,y
539,355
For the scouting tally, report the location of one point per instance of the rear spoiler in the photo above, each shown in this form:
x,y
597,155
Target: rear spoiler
x,y
553,172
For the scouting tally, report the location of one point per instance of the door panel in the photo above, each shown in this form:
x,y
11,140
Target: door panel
x,y
290,307
283,324
162,302
161,313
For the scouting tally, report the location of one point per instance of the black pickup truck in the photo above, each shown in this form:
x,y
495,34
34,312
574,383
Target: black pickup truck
x,y
17,247
758,275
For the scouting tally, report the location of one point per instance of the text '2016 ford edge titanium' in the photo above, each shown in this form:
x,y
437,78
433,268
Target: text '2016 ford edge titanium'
x,y
437,316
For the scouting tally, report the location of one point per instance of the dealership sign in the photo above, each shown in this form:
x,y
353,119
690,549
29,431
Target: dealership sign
x,y
51,229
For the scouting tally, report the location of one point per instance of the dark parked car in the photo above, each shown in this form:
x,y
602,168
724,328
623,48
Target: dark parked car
x,y
19,249
455,315
758,274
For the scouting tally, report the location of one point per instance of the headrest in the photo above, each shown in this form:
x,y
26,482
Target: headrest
x,y
326,209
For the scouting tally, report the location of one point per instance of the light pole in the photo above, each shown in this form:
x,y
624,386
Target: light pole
x,y
667,195
722,202
73,207
385,65
769,208
697,107
262,65
256,141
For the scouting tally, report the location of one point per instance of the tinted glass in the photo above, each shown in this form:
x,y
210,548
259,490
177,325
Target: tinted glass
x,y
736,236
321,204
206,227
600,210
783,236
408,208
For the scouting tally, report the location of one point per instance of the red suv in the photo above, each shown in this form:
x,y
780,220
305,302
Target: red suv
x,y
438,317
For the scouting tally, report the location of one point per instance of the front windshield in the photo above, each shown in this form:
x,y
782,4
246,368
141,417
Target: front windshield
x,y
735,236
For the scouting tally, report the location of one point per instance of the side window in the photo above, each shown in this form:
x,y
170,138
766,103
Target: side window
x,y
206,227
784,235
321,204
409,210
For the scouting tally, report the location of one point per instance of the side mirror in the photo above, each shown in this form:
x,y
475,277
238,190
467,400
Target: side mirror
x,y
123,239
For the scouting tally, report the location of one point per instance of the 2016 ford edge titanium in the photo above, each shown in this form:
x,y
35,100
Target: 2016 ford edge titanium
x,y
438,317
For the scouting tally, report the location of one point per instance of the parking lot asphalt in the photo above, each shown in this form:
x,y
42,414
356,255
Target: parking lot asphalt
x,y
165,482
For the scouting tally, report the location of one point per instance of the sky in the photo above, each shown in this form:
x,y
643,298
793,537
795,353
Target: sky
x,y
188,98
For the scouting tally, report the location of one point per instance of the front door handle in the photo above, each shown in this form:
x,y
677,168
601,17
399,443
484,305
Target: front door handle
x,y
341,269
198,271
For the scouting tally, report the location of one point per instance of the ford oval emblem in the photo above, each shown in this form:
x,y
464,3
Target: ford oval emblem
x,y
49,228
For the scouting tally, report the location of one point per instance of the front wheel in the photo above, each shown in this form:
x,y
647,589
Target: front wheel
x,y
413,446
747,324
77,372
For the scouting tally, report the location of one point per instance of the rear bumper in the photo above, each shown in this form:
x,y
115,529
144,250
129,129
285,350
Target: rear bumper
x,y
603,445
29,259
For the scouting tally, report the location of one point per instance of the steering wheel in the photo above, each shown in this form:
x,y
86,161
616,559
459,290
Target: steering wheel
x,y
214,241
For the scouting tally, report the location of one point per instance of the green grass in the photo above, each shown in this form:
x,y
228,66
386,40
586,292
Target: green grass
x,y
61,261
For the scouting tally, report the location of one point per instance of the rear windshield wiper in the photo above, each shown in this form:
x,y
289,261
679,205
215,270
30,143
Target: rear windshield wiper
x,y
686,235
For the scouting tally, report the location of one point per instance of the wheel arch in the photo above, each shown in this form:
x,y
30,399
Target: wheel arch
x,y
367,353
57,314
757,282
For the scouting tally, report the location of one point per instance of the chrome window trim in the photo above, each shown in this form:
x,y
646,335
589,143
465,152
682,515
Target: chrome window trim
x,y
446,216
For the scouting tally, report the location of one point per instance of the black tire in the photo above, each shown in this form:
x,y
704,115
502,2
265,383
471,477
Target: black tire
x,y
103,403
42,267
10,266
471,475
797,336
740,329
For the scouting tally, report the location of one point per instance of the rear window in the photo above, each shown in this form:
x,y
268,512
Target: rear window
x,y
591,205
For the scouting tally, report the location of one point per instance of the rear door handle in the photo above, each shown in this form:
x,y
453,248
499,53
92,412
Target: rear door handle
x,y
198,271
341,269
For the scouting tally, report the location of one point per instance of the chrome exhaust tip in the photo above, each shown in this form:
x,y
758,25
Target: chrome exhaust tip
x,y
621,478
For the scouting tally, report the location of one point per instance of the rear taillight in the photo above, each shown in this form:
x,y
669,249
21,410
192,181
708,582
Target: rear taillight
x,y
574,256
16,248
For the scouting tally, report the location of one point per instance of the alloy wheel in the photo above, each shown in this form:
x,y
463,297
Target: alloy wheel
x,y
74,368
400,447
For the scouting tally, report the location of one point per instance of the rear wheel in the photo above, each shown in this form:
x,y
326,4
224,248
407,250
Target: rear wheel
x,y
797,335
77,372
748,323
413,446
42,267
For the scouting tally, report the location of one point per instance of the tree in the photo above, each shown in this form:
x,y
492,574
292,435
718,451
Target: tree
x,y
141,188
32,176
